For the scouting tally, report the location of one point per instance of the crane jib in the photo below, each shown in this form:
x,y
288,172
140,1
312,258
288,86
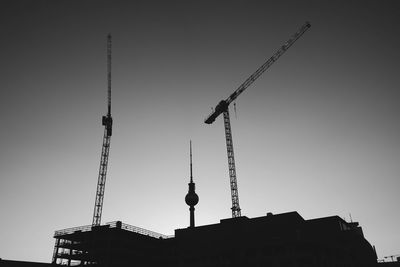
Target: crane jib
x,y
211,118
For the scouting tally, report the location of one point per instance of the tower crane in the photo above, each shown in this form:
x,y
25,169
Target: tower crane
x,y
223,107
107,122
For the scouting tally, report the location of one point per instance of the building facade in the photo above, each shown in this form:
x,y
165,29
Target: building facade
x,y
272,240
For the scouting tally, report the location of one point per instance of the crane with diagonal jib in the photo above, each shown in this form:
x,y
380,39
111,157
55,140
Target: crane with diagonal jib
x,y
223,107
107,122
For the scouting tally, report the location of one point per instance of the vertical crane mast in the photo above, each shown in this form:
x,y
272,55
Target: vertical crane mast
x,y
223,107
107,123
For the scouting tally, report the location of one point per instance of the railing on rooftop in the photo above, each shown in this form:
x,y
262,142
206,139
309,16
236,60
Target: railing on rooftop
x,y
72,230
138,230
115,224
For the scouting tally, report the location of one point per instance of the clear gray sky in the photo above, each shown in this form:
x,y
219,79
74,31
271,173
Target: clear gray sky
x,y
318,133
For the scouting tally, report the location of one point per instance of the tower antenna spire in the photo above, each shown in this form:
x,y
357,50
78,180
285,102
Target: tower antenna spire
x,y
191,169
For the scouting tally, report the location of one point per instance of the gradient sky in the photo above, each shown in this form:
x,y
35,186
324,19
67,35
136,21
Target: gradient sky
x,y
318,133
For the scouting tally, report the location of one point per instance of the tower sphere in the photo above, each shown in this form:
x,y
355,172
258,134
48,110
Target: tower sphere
x,y
191,199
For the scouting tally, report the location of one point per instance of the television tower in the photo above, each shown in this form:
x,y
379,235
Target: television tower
x,y
191,198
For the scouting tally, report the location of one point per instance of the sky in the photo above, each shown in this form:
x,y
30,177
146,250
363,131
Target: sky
x,y
317,133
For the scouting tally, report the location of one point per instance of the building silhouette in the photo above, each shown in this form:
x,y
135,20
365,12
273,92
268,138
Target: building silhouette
x,y
273,240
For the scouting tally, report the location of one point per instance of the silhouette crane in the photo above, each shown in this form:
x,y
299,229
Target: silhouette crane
x,y
223,107
107,122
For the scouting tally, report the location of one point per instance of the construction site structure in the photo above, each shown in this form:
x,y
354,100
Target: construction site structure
x,y
87,245
107,122
223,107
285,239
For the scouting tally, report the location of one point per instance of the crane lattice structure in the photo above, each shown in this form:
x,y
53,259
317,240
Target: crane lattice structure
x,y
223,107
107,122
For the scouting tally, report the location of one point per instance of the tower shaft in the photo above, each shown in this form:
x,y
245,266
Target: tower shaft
x,y
191,210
